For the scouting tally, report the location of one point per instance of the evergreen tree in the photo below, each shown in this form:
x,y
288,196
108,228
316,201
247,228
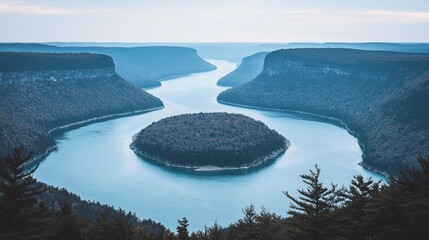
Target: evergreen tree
x,y
354,215
414,187
182,229
401,210
121,227
102,229
312,214
214,232
268,225
245,228
22,216
68,228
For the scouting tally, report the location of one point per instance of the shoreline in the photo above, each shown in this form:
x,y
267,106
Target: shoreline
x,y
212,168
321,118
38,158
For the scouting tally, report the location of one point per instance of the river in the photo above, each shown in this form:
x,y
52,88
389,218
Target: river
x,y
96,162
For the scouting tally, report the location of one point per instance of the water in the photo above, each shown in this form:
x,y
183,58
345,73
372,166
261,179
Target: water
x,y
96,163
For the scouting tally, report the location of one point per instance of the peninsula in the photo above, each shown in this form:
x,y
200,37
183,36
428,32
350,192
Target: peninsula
x,y
380,97
43,92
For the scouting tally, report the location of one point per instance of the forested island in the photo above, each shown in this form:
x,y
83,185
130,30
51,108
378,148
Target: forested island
x,y
43,92
209,141
380,97
142,66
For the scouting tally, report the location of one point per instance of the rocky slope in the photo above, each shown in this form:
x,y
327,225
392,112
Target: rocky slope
x,y
42,92
142,66
381,97
249,68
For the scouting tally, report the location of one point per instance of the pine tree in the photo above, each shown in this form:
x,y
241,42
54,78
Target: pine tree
x,y
214,232
245,228
401,210
22,216
312,214
268,225
182,229
354,214
67,224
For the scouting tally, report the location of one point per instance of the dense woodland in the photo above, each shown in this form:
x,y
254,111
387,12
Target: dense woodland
x,y
29,109
381,96
248,70
142,66
27,61
215,139
363,210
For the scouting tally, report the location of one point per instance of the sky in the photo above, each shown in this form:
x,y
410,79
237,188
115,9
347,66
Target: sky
x,y
214,21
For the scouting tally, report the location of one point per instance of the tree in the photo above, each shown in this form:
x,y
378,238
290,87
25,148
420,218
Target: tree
x,y
67,224
401,209
268,225
22,215
313,212
214,232
354,215
245,228
182,229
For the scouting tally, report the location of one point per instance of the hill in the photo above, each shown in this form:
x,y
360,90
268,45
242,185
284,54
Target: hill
x,y
205,140
42,92
249,68
381,97
142,66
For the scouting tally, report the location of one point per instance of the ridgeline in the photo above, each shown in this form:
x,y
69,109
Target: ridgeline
x,y
380,97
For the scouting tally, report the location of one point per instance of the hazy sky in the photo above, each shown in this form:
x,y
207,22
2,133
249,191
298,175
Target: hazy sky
x,y
214,20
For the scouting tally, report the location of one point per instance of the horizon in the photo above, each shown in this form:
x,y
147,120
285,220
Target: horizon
x,y
192,21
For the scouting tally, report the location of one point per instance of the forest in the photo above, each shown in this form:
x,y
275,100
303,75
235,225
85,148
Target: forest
x,y
214,139
142,66
27,61
249,68
380,97
397,209
30,109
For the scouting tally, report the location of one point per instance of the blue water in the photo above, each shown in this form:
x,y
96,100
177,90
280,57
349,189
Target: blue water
x,y
96,163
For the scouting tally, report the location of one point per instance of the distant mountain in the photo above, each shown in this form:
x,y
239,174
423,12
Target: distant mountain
x,y
381,97
40,92
142,66
249,68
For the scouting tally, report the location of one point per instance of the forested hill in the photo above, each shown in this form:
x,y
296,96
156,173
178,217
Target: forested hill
x,y
381,96
34,102
142,66
25,61
209,139
249,68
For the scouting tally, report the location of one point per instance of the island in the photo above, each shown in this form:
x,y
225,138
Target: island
x,y
380,97
209,141
44,92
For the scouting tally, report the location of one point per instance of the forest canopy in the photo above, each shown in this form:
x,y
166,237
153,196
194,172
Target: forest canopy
x,y
28,61
209,139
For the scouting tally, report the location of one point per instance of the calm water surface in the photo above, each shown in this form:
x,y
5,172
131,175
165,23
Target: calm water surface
x,y
96,163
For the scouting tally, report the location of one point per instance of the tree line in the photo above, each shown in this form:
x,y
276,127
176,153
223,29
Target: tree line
x,y
365,209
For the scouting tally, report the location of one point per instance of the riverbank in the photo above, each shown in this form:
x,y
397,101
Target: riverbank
x,y
320,118
71,126
211,168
